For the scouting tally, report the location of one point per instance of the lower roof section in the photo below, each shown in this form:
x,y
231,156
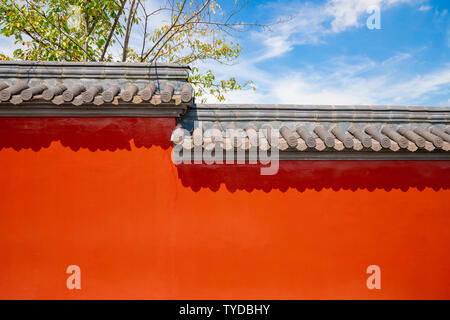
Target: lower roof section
x,y
294,131
315,132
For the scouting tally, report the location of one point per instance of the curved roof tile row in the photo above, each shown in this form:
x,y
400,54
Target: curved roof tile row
x,y
79,94
356,138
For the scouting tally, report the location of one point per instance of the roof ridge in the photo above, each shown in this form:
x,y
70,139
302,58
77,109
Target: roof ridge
x,y
95,63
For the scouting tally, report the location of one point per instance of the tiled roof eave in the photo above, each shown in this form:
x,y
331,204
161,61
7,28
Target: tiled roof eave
x,y
317,138
80,98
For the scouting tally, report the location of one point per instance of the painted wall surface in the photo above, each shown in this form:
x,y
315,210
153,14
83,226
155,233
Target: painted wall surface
x,y
103,194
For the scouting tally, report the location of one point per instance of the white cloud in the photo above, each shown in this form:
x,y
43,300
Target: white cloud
x,y
421,85
347,13
310,22
7,46
276,46
425,8
340,81
442,13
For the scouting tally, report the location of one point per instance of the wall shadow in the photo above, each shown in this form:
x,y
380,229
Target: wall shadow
x,y
303,175
91,133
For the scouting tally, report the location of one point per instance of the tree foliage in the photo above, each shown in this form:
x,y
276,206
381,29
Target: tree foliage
x,y
185,31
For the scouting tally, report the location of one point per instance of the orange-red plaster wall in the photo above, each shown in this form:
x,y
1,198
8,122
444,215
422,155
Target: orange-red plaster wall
x,y
103,194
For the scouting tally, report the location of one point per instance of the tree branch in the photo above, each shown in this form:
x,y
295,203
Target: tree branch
x,y
113,29
39,34
130,21
182,25
168,30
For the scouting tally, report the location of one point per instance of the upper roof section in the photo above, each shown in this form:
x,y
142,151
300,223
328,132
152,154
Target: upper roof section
x,y
79,88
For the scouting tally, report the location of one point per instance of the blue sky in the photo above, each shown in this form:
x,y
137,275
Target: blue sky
x,y
324,53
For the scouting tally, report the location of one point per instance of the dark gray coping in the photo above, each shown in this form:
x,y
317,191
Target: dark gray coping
x,y
267,112
351,155
107,110
96,70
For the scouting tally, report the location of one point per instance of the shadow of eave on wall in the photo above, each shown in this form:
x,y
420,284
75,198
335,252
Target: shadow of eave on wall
x,y
120,133
318,175
91,133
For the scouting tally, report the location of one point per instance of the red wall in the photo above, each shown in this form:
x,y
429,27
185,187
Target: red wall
x,y
103,194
